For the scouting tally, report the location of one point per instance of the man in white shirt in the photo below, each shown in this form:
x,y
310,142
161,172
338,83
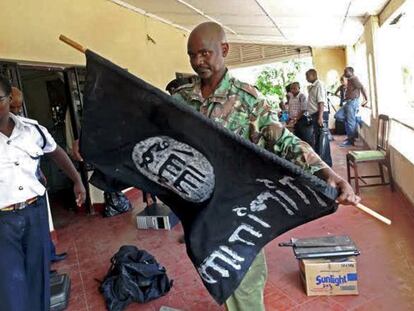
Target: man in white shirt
x,y
297,107
316,107
24,228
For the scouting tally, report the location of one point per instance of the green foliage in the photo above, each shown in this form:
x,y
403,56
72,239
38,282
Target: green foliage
x,y
273,80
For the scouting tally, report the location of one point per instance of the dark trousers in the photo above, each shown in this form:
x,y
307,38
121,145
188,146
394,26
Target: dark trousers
x,y
25,259
324,151
304,131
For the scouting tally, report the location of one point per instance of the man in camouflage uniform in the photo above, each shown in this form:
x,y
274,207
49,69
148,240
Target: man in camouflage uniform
x,y
238,107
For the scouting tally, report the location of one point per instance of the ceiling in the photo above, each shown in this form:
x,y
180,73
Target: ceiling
x,y
314,23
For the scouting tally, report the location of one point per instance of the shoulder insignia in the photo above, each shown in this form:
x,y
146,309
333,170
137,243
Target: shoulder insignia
x,y
247,88
180,83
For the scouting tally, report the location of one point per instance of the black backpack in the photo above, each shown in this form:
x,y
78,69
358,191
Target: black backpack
x,y
134,276
115,203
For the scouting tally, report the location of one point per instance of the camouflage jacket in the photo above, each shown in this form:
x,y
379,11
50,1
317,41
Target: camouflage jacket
x,y
241,109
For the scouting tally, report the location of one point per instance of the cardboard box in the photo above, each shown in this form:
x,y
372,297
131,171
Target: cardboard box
x,y
326,277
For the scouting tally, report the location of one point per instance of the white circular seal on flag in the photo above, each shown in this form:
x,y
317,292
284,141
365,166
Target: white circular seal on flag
x,y
176,166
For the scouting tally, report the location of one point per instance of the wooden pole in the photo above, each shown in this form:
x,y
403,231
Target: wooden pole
x,y
72,43
373,213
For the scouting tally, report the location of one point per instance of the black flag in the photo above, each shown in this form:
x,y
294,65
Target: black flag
x,y
231,196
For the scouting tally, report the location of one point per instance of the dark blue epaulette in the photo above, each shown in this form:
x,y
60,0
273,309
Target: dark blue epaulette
x,y
36,125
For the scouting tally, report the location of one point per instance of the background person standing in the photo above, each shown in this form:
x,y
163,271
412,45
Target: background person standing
x,y
297,108
340,91
353,92
316,106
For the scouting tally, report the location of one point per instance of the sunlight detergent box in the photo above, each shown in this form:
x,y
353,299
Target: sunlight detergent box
x,y
326,277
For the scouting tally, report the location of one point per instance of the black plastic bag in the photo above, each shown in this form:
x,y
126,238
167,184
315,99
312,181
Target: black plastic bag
x,y
134,276
304,129
115,203
339,127
323,146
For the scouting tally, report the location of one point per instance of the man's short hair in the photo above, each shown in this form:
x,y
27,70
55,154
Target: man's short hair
x,y
351,69
312,71
287,87
295,83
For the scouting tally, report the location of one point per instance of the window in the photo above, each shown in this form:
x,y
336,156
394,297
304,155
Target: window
x,y
362,71
395,75
361,66
396,67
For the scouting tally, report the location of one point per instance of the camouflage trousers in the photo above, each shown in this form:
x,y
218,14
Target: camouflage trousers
x,y
249,295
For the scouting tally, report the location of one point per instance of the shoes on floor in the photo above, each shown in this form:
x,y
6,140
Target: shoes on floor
x,y
181,239
59,257
346,143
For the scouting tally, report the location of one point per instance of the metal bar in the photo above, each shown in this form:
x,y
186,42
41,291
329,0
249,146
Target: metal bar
x,y
374,185
403,124
360,178
346,15
260,4
76,131
370,176
198,11
145,13
367,161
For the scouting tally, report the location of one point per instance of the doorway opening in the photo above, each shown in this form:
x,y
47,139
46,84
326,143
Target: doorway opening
x,y
47,102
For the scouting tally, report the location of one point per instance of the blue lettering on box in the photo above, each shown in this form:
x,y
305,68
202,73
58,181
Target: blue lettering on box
x,y
352,277
331,279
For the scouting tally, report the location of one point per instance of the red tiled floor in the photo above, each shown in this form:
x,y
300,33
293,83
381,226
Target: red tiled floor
x,y
385,266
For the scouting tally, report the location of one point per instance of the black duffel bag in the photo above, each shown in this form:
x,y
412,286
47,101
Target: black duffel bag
x,y
134,276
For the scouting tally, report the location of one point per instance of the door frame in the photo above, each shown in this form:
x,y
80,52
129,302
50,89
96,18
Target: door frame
x,y
12,70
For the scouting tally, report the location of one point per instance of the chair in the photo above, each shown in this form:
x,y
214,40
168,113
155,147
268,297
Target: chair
x,y
380,156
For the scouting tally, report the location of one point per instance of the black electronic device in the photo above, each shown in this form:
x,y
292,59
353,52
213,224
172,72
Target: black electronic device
x,y
59,291
323,247
156,216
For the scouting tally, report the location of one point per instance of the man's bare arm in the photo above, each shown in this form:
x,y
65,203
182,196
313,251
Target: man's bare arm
x,y
321,106
347,195
364,94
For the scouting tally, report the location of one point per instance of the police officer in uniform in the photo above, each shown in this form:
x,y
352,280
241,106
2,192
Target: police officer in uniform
x,y
24,228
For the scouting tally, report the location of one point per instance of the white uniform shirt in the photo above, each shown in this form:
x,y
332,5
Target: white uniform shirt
x,y
316,94
19,160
